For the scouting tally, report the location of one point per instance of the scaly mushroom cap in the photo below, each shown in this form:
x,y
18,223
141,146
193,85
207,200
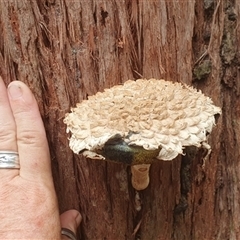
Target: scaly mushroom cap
x,y
154,114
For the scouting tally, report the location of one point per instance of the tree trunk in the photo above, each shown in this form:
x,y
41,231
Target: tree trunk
x,y
67,50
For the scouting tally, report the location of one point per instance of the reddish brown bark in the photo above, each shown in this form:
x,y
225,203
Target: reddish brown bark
x,y
67,50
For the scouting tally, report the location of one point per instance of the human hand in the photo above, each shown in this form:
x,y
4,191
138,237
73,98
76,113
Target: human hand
x,y
28,203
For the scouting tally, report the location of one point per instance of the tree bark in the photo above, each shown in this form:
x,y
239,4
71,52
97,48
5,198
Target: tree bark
x,y
68,50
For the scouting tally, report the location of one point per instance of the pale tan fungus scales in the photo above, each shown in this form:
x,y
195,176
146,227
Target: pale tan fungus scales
x,y
159,114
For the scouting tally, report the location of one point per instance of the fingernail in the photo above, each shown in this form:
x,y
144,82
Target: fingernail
x,y
78,218
15,91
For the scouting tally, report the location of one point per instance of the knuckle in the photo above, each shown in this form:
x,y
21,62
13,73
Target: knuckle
x,y
30,137
7,133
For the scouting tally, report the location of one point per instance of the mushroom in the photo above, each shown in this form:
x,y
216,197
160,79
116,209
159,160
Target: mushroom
x,y
140,122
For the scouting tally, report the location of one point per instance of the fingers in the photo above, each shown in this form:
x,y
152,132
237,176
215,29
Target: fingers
x,y
7,123
70,220
30,133
7,130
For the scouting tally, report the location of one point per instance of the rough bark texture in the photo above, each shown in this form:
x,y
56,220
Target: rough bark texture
x,y
66,50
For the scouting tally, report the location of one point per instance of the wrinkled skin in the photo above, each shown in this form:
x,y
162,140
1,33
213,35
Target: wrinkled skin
x,y
28,203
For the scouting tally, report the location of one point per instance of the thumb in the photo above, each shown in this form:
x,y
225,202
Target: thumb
x,y
70,220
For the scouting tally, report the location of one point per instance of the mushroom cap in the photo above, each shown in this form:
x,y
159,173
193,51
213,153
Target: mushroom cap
x,y
153,114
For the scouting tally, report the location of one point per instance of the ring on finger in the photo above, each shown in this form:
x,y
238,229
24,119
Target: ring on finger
x,y
68,233
9,160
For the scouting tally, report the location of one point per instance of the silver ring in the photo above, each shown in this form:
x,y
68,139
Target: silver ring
x,y
70,234
9,159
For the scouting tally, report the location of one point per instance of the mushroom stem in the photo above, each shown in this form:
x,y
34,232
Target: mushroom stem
x,y
140,176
